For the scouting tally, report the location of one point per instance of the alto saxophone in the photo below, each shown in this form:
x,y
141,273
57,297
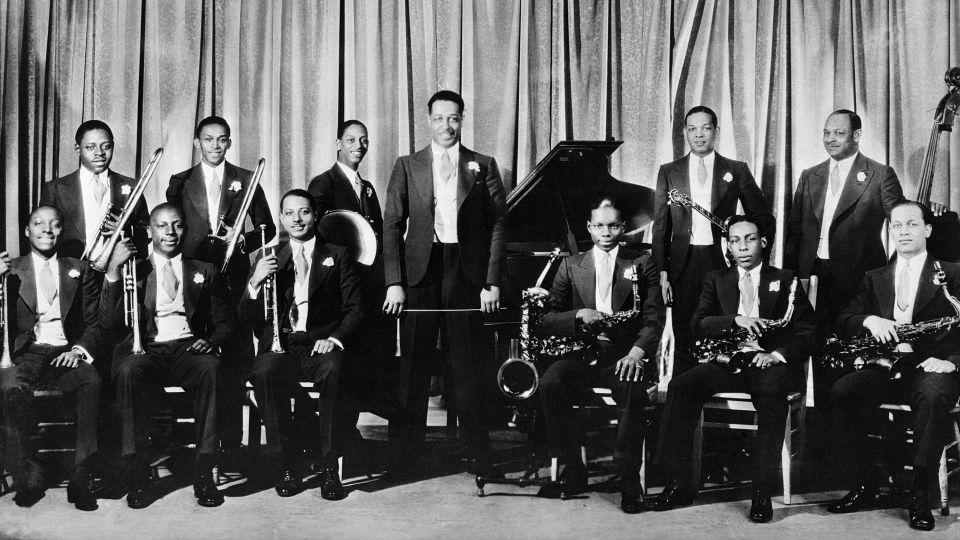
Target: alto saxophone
x,y
867,352
723,349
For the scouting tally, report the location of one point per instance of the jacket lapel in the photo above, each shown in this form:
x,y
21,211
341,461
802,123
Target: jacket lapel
x,y
28,283
191,289
886,293
853,188
196,196
465,177
766,295
729,292
586,280
719,188
228,195
344,184
73,203
818,190
622,287
421,169
68,287
926,289
318,272
149,286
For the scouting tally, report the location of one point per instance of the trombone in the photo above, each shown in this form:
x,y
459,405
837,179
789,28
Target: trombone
x,y
270,298
5,362
218,248
131,302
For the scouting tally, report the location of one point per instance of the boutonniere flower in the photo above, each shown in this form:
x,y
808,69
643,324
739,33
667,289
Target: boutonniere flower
x,y
369,192
628,273
125,189
473,166
861,176
727,177
235,185
199,278
328,261
74,273
774,286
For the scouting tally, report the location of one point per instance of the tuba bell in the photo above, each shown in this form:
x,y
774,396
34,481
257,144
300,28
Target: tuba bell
x,y
352,231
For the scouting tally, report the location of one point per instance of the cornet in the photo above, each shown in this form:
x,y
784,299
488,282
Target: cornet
x,y
270,298
131,303
5,362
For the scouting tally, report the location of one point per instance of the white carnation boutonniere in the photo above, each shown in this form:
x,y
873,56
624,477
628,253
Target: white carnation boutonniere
x,y
369,192
74,273
473,166
727,177
125,189
199,278
861,176
774,286
235,185
328,261
629,273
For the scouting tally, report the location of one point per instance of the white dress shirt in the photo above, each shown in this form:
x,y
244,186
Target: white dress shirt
x,y
753,345
92,210
49,327
913,267
171,317
830,203
701,233
352,177
445,195
604,305
213,202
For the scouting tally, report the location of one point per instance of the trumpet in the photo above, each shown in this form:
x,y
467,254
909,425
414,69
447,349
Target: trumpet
x,y
218,248
270,298
98,249
131,303
5,362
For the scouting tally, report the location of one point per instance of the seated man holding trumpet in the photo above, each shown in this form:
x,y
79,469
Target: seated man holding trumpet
x,y
303,301
51,332
179,318
763,329
589,288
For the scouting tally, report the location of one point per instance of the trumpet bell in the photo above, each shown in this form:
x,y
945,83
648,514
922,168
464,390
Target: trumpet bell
x,y
518,378
352,231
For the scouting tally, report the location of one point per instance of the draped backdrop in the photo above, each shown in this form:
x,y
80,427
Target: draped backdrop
x,y
532,73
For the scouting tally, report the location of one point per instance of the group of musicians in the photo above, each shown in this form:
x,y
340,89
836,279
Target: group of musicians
x,y
440,258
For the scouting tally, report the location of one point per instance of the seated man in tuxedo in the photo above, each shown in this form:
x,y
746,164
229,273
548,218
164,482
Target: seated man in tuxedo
x,y
587,288
52,308
899,293
318,306
745,297
184,320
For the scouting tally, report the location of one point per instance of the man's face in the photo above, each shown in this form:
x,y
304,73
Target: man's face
x,y
605,227
701,133
166,231
446,118
43,230
212,144
298,218
909,231
95,150
839,139
352,146
746,245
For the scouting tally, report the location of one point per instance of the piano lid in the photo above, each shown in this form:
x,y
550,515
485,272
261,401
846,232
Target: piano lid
x,y
551,206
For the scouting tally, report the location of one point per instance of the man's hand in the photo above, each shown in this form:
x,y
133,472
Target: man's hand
x,y
266,266
763,360
630,367
393,302
665,288
123,251
490,299
937,208
883,330
202,346
69,359
4,263
323,346
587,315
936,365
109,225
754,325
537,291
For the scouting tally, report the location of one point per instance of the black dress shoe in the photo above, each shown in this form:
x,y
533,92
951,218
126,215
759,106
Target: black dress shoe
x,y
860,498
27,497
921,518
137,496
206,491
80,491
572,481
761,509
631,500
672,496
288,483
330,487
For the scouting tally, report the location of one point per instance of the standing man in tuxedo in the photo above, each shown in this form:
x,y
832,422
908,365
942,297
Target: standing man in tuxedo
x,y
318,306
84,195
743,297
53,321
686,246
835,227
444,237
210,193
185,319
589,287
901,292
372,358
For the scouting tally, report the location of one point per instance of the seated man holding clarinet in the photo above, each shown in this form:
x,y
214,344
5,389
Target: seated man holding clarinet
x,y
755,329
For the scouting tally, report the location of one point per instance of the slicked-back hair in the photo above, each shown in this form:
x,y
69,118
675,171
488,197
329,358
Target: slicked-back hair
x,y
346,125
92,125
702,109
927,213
168,206
445,95
740,218
297,192
211,121
605,201
855,122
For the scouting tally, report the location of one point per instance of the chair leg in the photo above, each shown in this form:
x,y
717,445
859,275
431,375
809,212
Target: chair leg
x,y
554,469
583,455
785,457
697,448
340,468
643,467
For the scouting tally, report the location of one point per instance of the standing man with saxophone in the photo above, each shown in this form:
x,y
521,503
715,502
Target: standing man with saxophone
x,y
51,302
750,303
316,310
211,194
587,288
899,294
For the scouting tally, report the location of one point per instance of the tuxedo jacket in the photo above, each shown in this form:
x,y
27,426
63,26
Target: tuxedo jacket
x,y
66,195
869,192
333,191
481,218
188,190
672,225
877,294
210,315
720,302
574,288
333,308
79,297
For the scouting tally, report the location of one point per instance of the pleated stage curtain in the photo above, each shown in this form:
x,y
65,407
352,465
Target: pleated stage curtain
x,y
532,73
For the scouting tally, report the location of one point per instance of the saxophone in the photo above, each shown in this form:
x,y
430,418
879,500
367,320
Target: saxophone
x,y
867,352
723,349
